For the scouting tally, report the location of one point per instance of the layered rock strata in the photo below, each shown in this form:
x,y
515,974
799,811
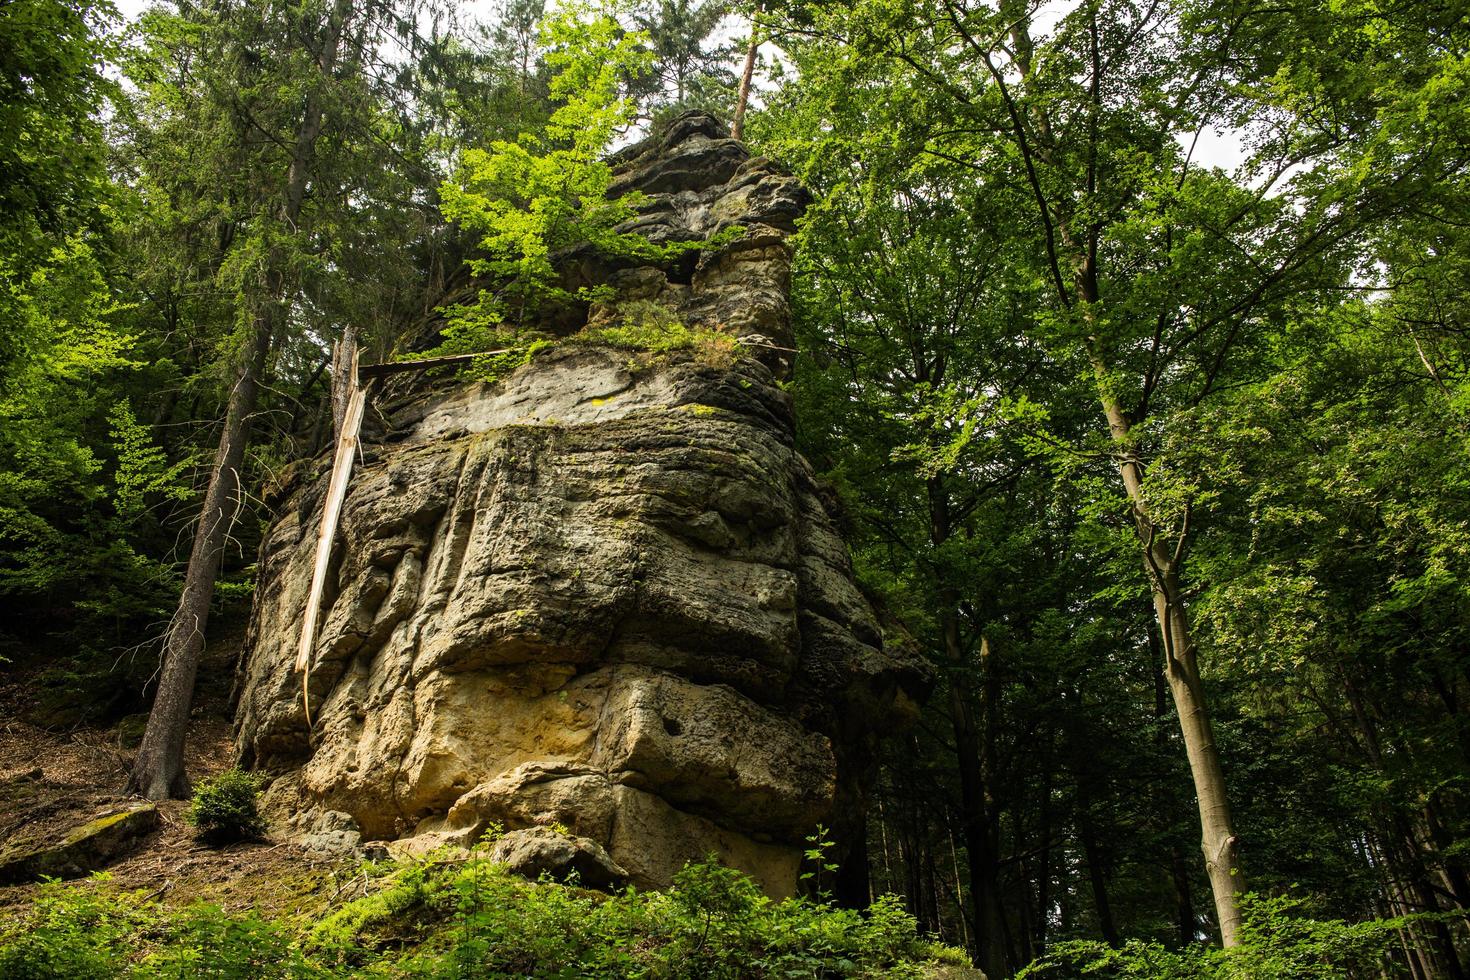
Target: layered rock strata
x,y
604,593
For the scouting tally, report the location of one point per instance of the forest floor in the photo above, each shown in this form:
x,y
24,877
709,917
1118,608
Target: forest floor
x,y
52,780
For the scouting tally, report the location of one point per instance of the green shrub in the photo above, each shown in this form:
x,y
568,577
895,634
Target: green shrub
x,y
224,808
205,941
1279,942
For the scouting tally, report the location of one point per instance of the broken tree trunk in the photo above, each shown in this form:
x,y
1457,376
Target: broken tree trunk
x,y
355,398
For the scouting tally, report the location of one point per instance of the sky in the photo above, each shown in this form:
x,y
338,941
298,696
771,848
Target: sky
x,y
1212,149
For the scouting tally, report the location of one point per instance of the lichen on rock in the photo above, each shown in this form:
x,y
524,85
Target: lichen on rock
x,y
607,597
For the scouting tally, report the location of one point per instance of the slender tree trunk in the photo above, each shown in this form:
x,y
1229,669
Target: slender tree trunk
x,y
1181,668
887,859
989,929
1043,866
959,885
1096,873
1183,896
1181,671
742,96
158,771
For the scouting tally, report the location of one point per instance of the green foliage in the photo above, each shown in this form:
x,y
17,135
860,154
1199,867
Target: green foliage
x,y
546,190
80,478
713,922
69,933
53,178
451,918
530,200
206,941
689,70
144,474
1279,943
653,333
224,807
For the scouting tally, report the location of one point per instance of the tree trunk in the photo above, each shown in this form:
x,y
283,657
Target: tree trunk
x,y
1183,897
742,96
989,930
1096,873
959,886
158,771
1181,671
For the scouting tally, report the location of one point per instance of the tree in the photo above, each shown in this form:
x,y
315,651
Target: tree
x,y
274,99
72,550
686,70
747,75
529,198
1166,278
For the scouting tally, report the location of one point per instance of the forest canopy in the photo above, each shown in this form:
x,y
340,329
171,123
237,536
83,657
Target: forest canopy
x,y
1133,341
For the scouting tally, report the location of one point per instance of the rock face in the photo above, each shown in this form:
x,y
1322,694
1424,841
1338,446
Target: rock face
x,y
604,594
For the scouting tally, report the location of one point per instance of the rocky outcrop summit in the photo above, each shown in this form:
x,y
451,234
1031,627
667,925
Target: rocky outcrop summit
x,y
604,594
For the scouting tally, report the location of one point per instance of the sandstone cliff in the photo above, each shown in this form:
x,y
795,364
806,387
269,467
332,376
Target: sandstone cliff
x,y
604,592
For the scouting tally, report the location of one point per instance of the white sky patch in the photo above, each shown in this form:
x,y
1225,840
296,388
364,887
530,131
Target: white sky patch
x,y
1223,148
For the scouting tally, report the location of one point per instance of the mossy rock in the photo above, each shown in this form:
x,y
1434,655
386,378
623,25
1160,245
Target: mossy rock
x,y
83,850
950,971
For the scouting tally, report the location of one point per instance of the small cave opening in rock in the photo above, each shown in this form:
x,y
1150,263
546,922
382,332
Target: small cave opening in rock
x,y
680,271
672,726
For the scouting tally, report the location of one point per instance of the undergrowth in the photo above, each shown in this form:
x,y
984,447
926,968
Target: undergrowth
x,y
444,917
652,331
1280,941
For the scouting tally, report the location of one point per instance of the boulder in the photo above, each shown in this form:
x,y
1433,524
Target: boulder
x,y
538,851
85,849
333,835
948,971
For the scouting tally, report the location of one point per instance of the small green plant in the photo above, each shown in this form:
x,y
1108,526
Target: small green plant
x,y
446,916
224,808
69,933
494,830
817,861
653,331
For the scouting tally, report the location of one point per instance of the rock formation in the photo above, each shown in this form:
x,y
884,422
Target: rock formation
x,y
603,594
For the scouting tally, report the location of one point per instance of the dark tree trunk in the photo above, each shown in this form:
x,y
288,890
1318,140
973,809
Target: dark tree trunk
x,y
1096,873
988,928
158,771
1183,897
